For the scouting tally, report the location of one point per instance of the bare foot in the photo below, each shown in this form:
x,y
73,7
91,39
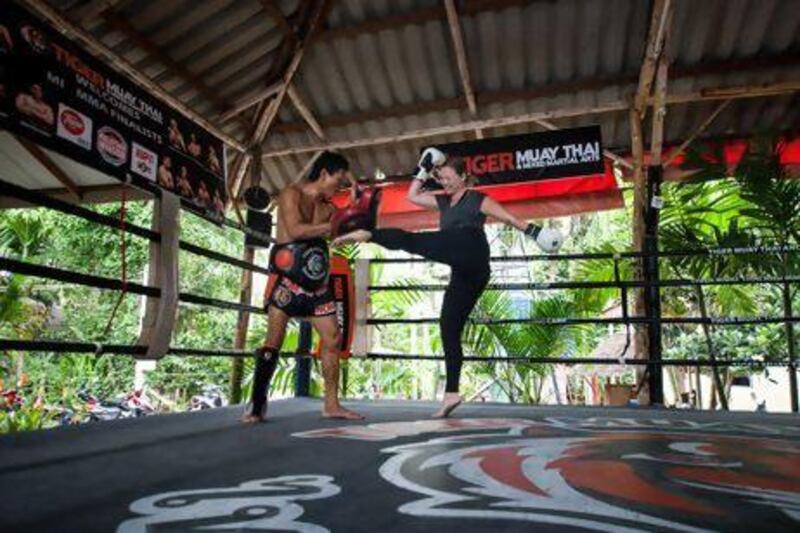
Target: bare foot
x,y
359,235
450,402
341,413
252,419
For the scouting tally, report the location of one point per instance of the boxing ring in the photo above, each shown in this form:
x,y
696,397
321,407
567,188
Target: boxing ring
x,y
498,466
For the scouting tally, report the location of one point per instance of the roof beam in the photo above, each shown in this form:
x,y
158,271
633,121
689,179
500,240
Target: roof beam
x,y
302,108
109,57
754,64
57,172
700,129
277,15
95,194
267,116
416,17
608,154
659,22
609,107
659,111
122,25
461,59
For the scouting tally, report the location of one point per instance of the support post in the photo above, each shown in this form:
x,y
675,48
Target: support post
x,y
653,292
242,326
787,312
302,375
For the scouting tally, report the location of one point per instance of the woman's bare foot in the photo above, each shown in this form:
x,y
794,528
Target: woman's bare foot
x,y
340,412
252,419
359,235
450,402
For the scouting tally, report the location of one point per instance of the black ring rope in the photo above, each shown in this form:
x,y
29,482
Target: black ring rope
x,y
120,349
62,206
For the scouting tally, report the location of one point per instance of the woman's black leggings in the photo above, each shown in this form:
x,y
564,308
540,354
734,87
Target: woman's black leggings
x,y
466,251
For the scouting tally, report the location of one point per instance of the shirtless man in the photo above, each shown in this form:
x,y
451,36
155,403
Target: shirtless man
x,y
184,187
194,147
33,105
175,136
298,286
165,178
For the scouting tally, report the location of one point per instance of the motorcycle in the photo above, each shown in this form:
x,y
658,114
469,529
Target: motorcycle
x,y
210,397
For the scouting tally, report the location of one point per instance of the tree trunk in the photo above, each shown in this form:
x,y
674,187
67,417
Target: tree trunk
x,y
711,351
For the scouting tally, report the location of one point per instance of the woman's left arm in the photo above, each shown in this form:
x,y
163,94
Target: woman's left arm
x,y
549,240
493,209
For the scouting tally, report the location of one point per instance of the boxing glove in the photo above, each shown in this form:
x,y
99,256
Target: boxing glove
x,y
362,214
548,240
430,159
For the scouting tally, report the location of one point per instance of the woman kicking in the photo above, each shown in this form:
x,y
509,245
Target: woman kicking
x,y
461,244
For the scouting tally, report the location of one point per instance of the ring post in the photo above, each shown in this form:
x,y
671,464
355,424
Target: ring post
x,y
653,290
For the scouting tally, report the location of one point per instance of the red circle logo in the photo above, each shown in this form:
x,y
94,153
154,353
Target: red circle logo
x,y
284,259
72,122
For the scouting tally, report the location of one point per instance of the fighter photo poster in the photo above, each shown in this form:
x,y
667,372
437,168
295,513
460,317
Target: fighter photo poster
x,y
59,96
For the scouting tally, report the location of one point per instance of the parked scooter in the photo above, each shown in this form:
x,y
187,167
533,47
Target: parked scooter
x,y
211,397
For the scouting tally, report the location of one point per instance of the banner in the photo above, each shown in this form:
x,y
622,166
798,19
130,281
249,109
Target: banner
x,y
342,287
62,98
533,156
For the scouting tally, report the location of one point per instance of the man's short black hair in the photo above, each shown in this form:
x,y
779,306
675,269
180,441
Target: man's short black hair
x,y
330,161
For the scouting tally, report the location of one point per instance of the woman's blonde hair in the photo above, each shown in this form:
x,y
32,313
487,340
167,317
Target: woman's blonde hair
x,y
459,164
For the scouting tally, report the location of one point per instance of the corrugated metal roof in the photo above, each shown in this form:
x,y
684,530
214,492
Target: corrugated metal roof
x,y
362,78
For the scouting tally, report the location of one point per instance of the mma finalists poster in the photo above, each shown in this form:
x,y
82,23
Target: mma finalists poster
x,y
60,97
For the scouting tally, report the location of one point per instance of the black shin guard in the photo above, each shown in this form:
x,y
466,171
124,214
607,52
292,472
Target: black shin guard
x,y
266,363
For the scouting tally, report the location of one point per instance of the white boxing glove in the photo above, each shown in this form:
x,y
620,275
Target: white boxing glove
x,y
548,240
431,158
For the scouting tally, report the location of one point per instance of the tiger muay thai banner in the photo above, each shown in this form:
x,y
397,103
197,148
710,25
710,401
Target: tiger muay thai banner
x,y
531,157
62,98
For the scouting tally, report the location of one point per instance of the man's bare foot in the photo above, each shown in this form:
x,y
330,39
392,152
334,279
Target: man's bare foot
x,y
450,402
252,419
341,413
359,235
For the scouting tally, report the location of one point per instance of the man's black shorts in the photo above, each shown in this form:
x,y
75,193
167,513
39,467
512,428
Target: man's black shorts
x,y
296,301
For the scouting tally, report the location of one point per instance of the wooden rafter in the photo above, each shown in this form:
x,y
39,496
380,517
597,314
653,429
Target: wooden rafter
x,y
267,116
277,15
57,172
461,59
622,82
113,59
305,111
659,111
123,26
95,194
608,154
659,22
609,107
415,17
700,129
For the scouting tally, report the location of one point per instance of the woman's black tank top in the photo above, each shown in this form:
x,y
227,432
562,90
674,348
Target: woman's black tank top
x,y
466,214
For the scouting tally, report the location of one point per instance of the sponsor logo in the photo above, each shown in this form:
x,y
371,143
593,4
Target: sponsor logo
x,y
144,162
273,504
282,296
596,474
315,263
35,38
74,126
112,146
